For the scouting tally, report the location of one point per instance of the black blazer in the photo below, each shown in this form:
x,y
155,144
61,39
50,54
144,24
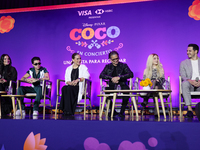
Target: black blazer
x,y
122,70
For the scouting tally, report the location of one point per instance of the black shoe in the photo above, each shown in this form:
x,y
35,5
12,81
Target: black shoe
x,y
144,104
114,114
189,114
121,115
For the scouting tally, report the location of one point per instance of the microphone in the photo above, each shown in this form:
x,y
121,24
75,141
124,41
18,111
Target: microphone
x,y
197,79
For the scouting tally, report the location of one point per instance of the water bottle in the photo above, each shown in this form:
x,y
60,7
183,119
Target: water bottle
x,y
102,89
118,88
135,85
10,90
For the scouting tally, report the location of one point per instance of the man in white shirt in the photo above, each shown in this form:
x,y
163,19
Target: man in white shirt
x,y
190,74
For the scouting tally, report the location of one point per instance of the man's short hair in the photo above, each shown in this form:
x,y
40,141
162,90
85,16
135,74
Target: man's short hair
x,y
195,47
113,53
35,58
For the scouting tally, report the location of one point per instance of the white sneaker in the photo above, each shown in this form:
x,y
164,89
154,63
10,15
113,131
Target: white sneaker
x,y
19,114
35,113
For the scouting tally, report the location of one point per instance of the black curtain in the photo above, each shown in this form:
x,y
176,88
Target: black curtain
x,y
10,4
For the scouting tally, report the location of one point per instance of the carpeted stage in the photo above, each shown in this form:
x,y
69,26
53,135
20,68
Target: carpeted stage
x,y
75,133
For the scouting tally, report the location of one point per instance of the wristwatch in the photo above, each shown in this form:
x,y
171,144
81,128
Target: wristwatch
x,y
79,79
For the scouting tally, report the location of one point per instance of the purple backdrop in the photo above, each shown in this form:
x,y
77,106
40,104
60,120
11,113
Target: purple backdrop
x,y
135,29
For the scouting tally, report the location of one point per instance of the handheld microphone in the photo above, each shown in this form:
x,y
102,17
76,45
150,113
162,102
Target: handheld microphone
x,y
197,79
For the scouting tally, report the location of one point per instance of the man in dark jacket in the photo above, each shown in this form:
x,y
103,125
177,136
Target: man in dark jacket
x,y
117,73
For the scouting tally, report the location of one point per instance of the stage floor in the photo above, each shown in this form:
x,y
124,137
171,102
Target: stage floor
x,y
92,133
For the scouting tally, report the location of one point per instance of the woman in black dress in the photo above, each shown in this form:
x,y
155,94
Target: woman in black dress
x,y
72,91
7,73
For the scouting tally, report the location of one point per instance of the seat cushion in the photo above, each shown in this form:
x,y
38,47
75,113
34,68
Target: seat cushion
x,y
30,94
195,93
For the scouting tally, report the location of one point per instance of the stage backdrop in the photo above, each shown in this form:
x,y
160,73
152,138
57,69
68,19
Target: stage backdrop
x,y
134,29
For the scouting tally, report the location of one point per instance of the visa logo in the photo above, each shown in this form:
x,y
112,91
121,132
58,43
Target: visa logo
x,y
84,12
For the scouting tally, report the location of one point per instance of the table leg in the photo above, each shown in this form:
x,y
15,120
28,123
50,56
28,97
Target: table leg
x,y
113,106
135,105
13,104
162,103
157,108
107,107
104,99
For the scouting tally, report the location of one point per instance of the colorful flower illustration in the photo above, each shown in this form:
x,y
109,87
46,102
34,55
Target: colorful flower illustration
x,y
34,143
93,144
127,145
6,24
194,10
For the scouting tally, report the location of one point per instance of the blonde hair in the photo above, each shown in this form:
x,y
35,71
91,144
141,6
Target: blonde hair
x,y
149,67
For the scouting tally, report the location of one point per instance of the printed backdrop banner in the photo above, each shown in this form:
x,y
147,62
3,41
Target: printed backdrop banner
x,y
134,29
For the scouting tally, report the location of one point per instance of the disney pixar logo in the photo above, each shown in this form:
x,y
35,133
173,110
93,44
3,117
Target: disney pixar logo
x,y
89,12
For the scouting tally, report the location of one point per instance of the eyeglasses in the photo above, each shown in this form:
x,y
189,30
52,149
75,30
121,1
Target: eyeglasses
x,y
115,59
37,64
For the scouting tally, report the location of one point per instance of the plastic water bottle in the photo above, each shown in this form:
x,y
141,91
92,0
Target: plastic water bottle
x,y
10,90
135,86
102,89
118,88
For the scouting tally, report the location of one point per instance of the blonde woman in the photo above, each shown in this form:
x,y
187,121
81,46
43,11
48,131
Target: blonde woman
x,y
155,72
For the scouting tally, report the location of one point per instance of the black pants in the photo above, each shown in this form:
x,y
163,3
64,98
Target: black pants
x,y
6,102
69,99
125,99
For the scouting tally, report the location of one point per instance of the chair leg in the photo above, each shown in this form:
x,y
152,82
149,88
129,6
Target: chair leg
x,y
84,108
100,103
13,104
90,107
168,108
180,110
56,107
171,109
44,109
30,107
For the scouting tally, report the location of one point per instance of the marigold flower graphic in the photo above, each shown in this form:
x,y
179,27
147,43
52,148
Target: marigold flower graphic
x,y
34,143
6,24
194,10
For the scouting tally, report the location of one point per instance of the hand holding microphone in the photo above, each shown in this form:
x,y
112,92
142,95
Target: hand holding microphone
x,y
197,84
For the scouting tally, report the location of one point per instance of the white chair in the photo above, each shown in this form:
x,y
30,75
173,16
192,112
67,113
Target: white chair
x,y
194,95
166,96
86,95
104,83
46,94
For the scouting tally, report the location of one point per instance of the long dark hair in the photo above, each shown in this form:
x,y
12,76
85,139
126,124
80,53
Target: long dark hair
x,y
2,65
73,56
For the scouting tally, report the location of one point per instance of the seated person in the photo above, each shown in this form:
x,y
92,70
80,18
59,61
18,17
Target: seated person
x,y
72,91
155,72
7,73
36,74
117,73
189,71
